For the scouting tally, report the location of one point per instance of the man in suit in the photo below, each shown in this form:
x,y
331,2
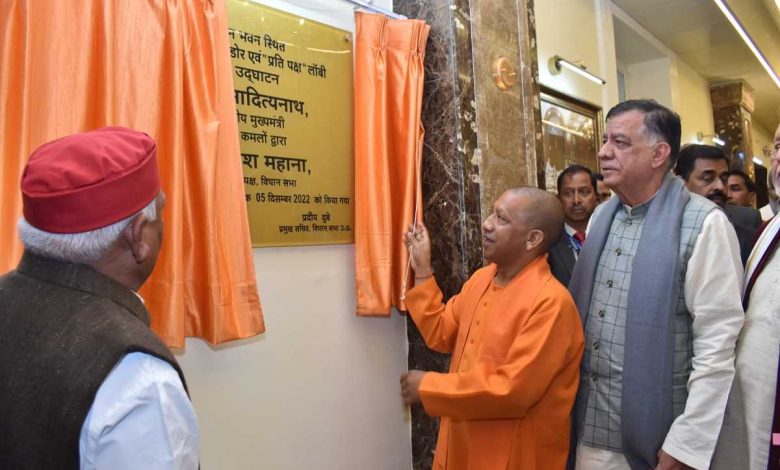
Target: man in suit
x,y
577,194
705,170
750,438
85,383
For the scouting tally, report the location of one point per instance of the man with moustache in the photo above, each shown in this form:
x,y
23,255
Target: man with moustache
x,y
705,170
750,438
515,340
657,286
577,194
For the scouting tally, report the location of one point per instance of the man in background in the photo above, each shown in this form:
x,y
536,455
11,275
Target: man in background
x,y
603,191
705,170
85,383
741,189
577,194
515,340
657,286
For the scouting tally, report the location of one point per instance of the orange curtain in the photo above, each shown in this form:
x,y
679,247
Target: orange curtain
x,y
162,67
388,148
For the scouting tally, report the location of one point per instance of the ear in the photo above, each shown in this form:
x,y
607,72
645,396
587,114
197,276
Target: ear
x,y
661,155
535,238
134,235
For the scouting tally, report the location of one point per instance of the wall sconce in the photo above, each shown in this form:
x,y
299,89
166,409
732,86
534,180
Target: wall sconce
x,y
557,63
504,74
715,138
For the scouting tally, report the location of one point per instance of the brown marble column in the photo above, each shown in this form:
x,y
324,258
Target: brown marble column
x,y
732,108
479,141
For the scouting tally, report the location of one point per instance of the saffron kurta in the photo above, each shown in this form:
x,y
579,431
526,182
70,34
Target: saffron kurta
x,y
516,350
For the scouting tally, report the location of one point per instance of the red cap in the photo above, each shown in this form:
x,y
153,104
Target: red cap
x,y
87,181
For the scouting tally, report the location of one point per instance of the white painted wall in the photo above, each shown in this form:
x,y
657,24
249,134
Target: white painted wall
x,y
320,389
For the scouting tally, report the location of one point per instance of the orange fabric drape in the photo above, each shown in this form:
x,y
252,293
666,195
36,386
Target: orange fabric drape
x,y
158,66
388,147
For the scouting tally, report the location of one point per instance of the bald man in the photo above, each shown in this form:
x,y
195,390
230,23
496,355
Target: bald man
x,y
515,338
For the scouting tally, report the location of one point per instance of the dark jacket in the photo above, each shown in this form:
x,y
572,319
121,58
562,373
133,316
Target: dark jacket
x,y
64,327
561,259
745,216
746,236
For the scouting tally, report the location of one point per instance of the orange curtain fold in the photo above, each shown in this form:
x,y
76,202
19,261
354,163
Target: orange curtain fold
x,y
158,66
389,76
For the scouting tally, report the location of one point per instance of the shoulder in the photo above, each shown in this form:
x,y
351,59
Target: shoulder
x,y
488,270
697,210
743,215
139,385
563,242
700,204
553,296
143,405
138,371
555,303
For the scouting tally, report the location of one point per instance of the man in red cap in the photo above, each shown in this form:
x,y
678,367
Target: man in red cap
x,y
85,382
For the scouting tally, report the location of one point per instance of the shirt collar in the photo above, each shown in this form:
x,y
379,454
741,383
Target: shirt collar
x,y
639,209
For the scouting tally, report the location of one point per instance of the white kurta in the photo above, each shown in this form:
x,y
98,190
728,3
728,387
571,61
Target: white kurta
x,y
141,418
744,438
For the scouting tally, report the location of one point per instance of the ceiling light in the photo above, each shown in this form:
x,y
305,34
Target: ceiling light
x,y
748,40
557,62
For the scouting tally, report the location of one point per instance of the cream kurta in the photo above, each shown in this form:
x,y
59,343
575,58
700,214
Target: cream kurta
x,y
744,437
506,402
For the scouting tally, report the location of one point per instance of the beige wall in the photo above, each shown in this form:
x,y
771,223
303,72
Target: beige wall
x,y
691,100
318,390
762,138
650,79
578,30
582,30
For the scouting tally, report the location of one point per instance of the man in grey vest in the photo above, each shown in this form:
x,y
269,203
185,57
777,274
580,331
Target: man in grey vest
x,y
658,289
85,382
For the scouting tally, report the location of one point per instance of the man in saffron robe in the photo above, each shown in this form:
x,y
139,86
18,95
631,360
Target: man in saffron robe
x,y
516,342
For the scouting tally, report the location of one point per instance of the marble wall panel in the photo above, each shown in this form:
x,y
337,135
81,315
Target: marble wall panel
x,y
508,120
451,193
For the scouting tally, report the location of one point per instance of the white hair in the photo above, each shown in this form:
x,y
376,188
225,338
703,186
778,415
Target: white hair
x,y
83,247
